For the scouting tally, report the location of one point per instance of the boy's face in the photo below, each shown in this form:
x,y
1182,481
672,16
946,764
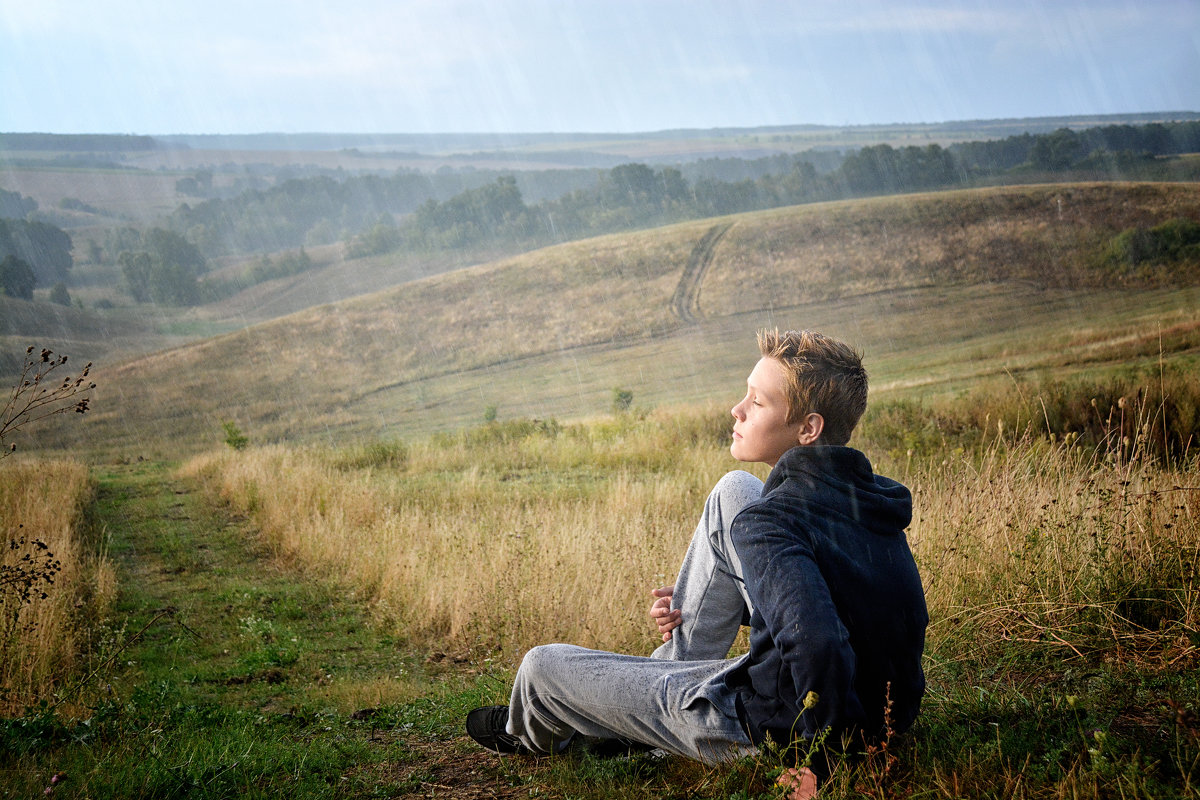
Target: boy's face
x,y
760,432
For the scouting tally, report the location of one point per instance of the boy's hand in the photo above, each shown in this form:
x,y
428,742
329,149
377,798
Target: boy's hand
x,y
666,618
802,783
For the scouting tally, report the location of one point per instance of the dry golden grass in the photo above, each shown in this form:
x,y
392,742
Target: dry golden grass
x,y
483,545
1055,547
556,541
1045,235
404,356
46,501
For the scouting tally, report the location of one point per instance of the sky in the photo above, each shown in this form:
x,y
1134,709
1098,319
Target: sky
x,y
417,66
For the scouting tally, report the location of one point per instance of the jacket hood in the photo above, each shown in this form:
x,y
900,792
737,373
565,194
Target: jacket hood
x,y
836,472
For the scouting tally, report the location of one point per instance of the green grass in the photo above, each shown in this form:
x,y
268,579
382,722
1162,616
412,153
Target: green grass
x,y
230,676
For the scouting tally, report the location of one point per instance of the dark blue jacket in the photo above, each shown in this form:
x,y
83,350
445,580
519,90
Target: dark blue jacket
x,y
838,604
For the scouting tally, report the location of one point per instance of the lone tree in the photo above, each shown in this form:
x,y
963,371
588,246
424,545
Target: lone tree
x,y
44,247
17,278
59,294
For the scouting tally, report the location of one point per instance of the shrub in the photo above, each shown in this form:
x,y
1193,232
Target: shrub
x,y
17,278
1163,251
387,454
234,436
622,399
59,294
509,431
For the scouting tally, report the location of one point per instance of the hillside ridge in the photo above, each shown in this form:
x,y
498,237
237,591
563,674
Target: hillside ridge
x,y
337,368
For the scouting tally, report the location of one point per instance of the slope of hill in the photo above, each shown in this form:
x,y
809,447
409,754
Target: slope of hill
x,y
939,289
333,278
66,329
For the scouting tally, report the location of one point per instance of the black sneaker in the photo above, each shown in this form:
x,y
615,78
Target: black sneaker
x,y
486,726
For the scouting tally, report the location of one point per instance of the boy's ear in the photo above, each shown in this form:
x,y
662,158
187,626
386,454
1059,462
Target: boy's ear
x,y
811,428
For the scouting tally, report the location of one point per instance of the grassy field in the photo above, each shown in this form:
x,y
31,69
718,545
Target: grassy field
x,y
125,193
220,673
984,278
314,622
312,615
1060,579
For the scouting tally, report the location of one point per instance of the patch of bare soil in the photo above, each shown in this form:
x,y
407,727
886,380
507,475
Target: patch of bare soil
x,y
447,770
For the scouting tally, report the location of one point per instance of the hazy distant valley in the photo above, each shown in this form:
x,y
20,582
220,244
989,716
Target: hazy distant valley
x,y
370,286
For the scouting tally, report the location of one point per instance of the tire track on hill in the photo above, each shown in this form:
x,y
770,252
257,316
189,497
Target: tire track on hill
x,y
686,301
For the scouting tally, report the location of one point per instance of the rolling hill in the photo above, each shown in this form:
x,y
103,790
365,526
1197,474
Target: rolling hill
x,y
940,290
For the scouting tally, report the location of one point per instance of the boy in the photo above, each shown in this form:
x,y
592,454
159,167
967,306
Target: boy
x,y
816,560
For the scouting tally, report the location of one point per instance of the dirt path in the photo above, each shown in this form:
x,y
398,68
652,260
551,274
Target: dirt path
x,y
233,632
686,300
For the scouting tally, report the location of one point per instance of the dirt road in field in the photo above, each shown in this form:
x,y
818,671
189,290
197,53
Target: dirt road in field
x,y
686,300
224,624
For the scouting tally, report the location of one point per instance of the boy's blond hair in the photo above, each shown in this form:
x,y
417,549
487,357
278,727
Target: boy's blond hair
x,y
822,375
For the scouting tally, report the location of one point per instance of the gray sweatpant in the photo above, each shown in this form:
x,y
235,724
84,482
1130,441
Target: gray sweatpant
x,y
675,700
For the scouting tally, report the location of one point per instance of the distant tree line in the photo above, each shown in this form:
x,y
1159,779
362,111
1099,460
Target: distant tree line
x,y
323,209
1066,149
635,195
376,213
731,170
77,142
298,211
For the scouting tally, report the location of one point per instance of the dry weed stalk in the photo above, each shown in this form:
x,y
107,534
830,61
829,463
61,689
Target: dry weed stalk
x,y
35,397
880,760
